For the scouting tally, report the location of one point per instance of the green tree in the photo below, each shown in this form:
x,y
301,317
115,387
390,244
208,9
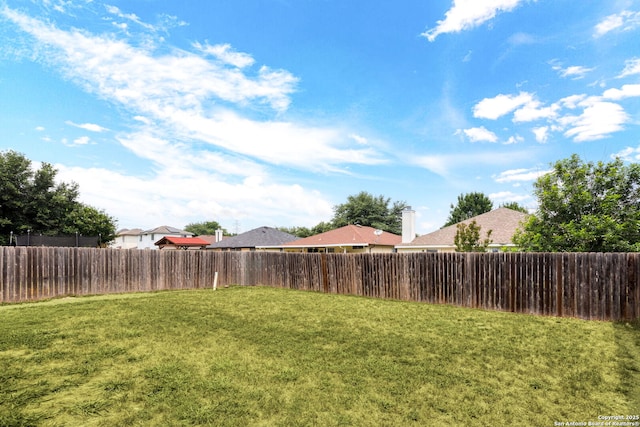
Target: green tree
x,y
468,206
49,205
206,228
366,209
15,177
89,221
515,206
467,238
321,227
585,207
303,232
31,200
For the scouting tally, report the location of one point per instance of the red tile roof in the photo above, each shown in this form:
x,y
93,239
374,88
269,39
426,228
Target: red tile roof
x,y
349,235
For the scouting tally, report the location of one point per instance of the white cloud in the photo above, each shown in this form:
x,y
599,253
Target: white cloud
x,y
541,133
575,71
177,197
147,144
627,91
114,10
445,164
87,126
608,24
194,184
520,39
508,196
140,78
83,140
498,106
191,123
61,6
467,14
519,175
165,23
226,54
631,67
40,128
514,140
533,111
628,154
279,143
123,26
625,21
195,98
438,164
480,134
572,101
359,139
597,121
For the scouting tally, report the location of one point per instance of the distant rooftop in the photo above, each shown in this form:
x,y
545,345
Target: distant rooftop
x,y
261,236
165,229
350,235
181,241
129,232
502,221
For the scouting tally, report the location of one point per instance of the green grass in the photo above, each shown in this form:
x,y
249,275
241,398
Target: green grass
x,y
274,357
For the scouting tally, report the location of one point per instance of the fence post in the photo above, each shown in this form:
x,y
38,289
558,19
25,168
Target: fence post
x,y
325,273
597,286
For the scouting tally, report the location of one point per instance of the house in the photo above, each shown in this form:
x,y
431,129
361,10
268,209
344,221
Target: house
x,y
126,238
348,239
171,242
502,221
148,238
212,238
263,238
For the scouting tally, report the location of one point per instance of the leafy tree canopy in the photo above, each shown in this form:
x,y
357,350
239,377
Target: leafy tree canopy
x,y
467,238
303,232
515,206
362,209
89,221
366,209
585,207
468,206
206,228
31,200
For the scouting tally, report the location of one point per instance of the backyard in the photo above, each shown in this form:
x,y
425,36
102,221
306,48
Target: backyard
x,y
258,356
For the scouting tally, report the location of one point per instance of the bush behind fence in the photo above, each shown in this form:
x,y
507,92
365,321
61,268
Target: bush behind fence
x,y
602,286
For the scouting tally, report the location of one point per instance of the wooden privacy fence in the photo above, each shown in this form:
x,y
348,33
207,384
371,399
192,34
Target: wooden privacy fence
x,y
601,286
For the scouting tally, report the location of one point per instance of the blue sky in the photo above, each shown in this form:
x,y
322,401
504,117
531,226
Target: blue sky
x,y
270,112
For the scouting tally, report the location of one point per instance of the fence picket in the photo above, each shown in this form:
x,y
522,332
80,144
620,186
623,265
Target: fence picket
x,y
589,286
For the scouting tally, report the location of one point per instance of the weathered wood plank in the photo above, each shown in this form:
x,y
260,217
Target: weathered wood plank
x,y
590,286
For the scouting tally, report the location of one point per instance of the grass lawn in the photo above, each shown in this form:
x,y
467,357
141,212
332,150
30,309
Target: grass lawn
x,y
274,357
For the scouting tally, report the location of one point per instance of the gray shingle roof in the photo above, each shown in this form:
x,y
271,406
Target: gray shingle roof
x,y
261,236
129,232
165,229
